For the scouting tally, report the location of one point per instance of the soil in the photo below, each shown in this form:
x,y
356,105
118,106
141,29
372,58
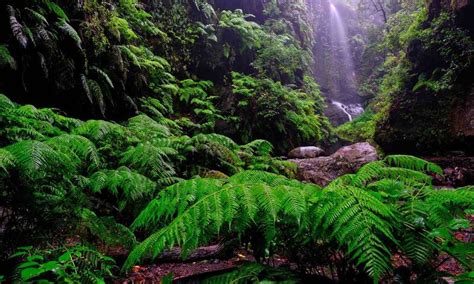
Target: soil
x,y
182,270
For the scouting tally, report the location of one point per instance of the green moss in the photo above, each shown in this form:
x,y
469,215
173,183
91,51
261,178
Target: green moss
x,y
6,59
360,129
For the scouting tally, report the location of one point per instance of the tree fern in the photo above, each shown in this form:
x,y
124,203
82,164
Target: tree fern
x,y
79,147
35,159
147,128
123,184
231,207
100,130
173,200
148,160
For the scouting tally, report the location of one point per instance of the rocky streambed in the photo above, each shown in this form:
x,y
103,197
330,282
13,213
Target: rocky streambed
x,y
317,167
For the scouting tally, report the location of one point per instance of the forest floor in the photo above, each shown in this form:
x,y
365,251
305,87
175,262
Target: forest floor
x,y
182,270
212,264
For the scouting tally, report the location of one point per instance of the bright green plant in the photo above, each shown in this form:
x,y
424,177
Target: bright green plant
x,y
282,59
198,105
387,207
360,129
66,265
284,116
250,32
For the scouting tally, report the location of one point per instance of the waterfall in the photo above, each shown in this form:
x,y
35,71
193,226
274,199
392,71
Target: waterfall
x,y
351,110
340,47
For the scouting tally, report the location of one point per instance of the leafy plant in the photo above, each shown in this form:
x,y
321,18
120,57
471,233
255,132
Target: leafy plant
x,y
370,215
69,265
286,117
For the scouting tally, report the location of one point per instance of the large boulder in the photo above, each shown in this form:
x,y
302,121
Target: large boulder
x,y
306,152
348,159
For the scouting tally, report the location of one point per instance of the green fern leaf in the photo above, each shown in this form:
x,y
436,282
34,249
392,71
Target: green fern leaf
x,y
16,27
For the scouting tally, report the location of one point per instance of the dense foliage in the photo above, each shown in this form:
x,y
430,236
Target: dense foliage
x,y
101,58
420,73
131,127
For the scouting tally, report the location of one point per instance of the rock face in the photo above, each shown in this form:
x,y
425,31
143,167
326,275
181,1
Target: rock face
x,y
458,170
348,159
426,121
306,152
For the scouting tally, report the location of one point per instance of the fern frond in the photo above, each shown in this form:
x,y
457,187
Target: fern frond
x,y
173,200
77,145
413,163
259,147
16,27
416,244
101,74
122,183
36,159
260,177
379,170
57,10
148,160
38,17
131,56
232,207
70,32
6,160
362,222
6,59
146,128
216,138
97,95
85,87
99,130
6,103
440,204
107,229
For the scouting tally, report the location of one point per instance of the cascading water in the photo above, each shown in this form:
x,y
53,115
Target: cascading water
x,y
341,83
340,48
351,110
